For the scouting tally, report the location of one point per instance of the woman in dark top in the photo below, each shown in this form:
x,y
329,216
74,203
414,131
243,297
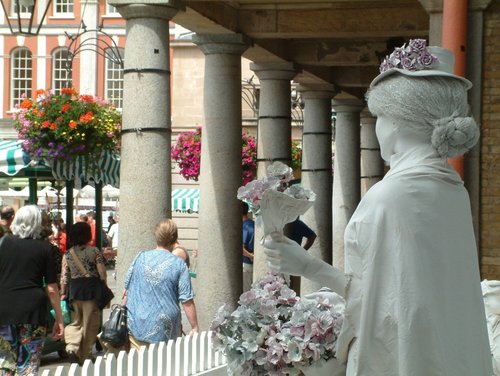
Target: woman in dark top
x,y
84,287
26,263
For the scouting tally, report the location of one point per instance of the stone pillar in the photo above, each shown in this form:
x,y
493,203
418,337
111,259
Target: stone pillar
x,y
220,223
372,164
346,171
274,133
145,185
317,170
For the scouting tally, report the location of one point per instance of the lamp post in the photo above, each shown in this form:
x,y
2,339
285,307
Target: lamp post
x,y
20,16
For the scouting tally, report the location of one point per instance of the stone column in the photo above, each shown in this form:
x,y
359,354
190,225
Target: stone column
x,y
346,171
317,170
372,164
145,185
220,223
274,133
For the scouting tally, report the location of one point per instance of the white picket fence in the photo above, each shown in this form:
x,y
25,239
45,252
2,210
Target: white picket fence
x,y
182,357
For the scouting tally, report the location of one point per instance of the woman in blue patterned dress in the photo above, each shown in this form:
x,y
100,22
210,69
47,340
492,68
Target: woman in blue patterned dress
x,y
155,283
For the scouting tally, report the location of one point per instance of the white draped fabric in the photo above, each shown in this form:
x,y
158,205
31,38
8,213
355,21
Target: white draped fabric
x,y
416,307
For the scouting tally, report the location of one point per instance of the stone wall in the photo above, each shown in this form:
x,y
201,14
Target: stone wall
x,y
490,147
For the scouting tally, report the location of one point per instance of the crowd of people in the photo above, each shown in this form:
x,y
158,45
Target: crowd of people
x,y
42,264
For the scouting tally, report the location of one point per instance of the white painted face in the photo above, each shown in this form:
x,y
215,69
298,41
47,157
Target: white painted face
x,y
386,131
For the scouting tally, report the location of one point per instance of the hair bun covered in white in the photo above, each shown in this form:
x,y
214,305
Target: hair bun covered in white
x,y
453,136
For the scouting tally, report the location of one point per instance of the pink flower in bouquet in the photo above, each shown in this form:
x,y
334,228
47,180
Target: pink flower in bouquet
x,y
274,332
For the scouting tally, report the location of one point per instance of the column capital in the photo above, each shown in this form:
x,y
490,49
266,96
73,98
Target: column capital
x,y
229,44
162,9
317,91
275,71
348,105
436,6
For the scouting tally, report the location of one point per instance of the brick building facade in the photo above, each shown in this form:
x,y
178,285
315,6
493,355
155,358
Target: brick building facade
x,y
490,147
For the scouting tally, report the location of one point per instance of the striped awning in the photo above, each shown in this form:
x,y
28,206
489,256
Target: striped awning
x,y
186,200
107,169
12,157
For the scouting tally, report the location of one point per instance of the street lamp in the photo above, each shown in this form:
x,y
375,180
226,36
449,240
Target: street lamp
x,y
20,16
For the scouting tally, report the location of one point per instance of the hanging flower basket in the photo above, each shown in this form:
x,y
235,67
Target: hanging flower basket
x,y
187,151
66,126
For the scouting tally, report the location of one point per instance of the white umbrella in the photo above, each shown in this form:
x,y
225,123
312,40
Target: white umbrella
x,y
109,192
48,192
86,192
63,192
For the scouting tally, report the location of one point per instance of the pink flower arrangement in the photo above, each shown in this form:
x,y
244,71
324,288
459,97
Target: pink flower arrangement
x,y
187,151
275,332
413,57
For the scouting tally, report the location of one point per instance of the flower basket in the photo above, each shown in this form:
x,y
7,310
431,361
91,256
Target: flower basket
x,y
187,151
66,126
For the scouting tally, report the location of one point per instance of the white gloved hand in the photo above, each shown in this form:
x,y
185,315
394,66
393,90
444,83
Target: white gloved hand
x,y
290,258
286,256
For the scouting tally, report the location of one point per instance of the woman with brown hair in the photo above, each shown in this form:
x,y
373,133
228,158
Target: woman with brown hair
x,y
83,275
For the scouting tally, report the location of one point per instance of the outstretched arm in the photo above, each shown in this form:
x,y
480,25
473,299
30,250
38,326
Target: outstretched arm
x,y
290,258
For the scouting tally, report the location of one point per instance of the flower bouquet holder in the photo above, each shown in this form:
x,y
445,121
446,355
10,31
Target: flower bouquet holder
x,y
279,208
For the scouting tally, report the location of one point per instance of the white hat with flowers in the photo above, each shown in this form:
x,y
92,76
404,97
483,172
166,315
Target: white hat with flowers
x,y
418,60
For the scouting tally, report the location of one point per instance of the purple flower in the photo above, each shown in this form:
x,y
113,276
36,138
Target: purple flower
x,y
418,45
427,59
408,63
413,57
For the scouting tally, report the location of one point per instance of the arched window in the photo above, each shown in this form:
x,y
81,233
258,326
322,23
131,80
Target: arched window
x,y
21,75
60,73
114,80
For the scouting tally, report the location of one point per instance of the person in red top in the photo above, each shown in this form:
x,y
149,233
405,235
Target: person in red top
x,y
91,222
61,238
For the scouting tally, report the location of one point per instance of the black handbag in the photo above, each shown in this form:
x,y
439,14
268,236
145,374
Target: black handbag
x,y
115,330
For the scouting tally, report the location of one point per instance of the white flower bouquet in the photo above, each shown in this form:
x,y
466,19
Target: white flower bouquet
x,y
274,332
274,202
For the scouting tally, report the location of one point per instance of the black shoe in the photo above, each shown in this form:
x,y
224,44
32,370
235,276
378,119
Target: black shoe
x,y
73,358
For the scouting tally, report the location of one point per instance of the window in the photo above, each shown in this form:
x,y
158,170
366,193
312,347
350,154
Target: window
x,y
114,78
110,9
63,7
21,74
60,73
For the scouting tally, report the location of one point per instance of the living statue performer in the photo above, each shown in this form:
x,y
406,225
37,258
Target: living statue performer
x,y
411,278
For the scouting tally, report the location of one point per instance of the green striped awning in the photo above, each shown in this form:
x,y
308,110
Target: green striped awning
x,y
107,171
186,200
12,157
